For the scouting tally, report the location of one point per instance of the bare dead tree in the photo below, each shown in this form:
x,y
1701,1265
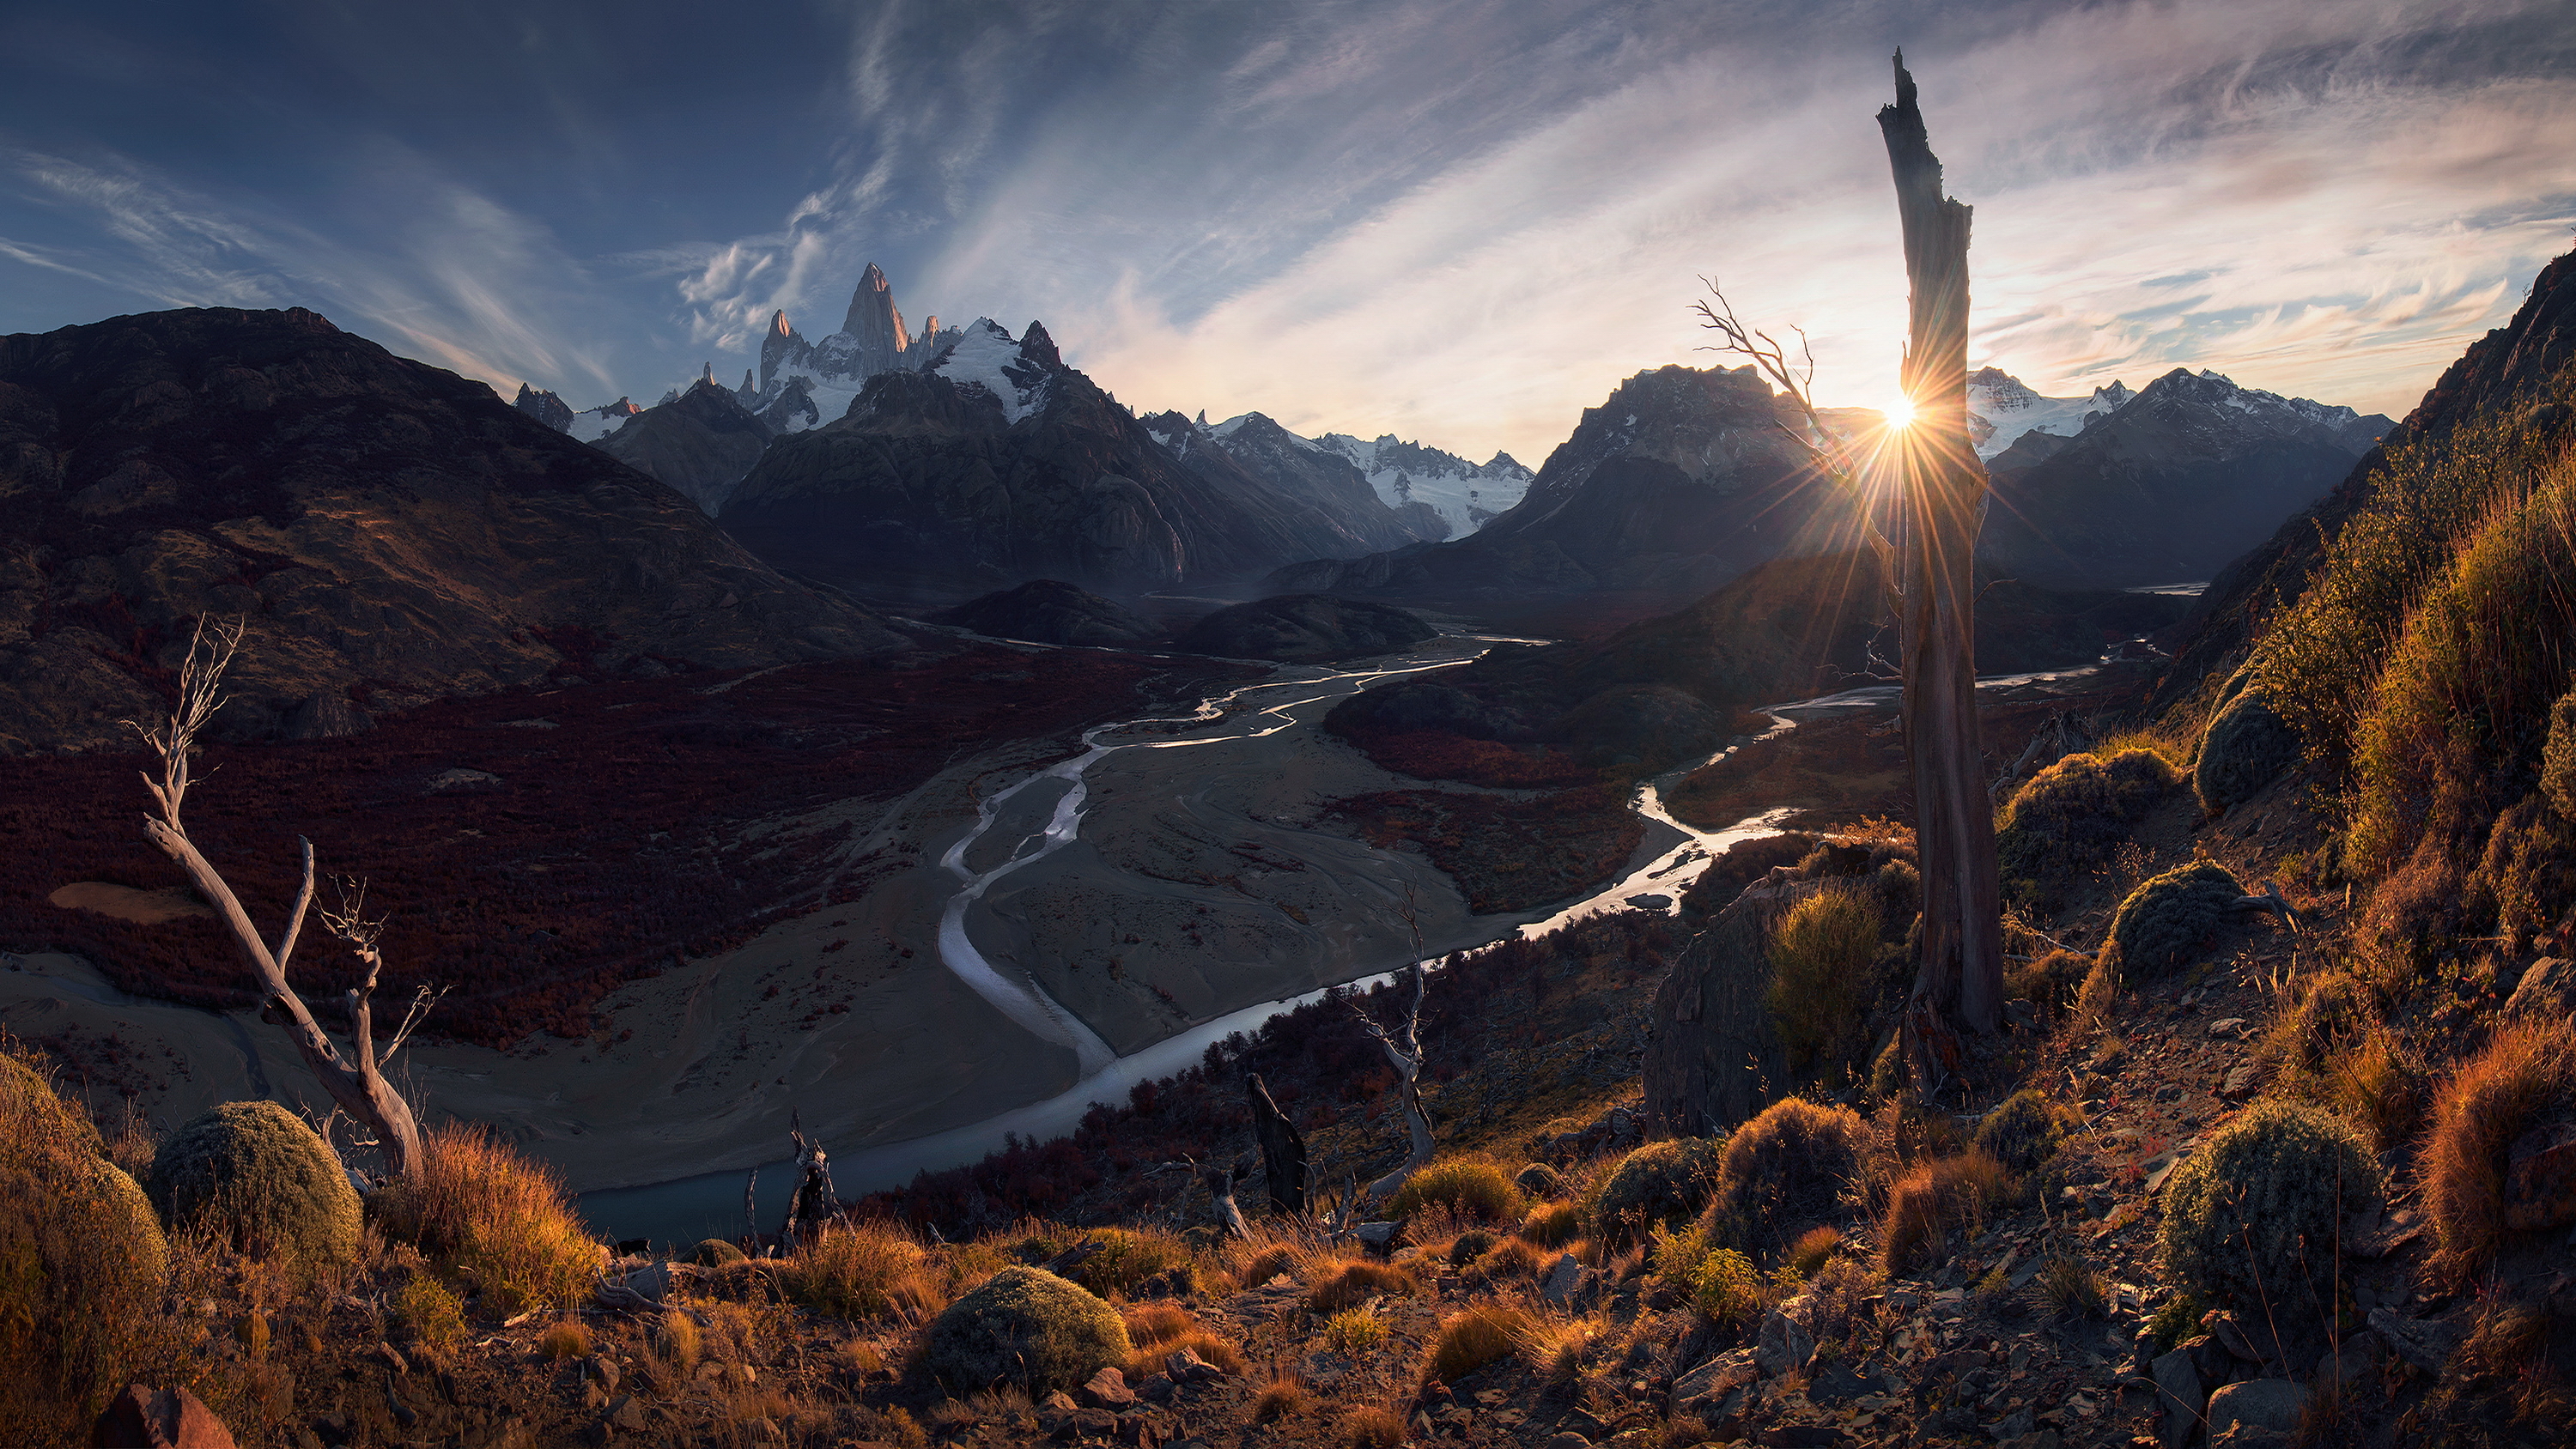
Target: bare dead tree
x,y
356,1081
1220,1183
1283,1148
812,1202
1403,1048
1928,570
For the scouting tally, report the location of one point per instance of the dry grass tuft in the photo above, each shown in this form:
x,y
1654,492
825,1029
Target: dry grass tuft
x,y
1355,1281
1371,1426
862,1271
1280,1396
1821,981
2527,1068
1257,1265
1482,1335
1511,1258
1808,1255
1355,1332
1159,1330
569,1338
1556,1347
676,1341
1554,1224
1475,1189
1936,1200
498,1220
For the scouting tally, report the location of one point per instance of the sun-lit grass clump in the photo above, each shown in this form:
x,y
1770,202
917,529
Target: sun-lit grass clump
x,y
500,1222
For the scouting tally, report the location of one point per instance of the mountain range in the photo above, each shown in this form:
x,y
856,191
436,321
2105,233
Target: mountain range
x,y
390,532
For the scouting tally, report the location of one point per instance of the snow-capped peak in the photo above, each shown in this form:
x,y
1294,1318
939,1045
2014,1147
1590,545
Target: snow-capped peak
x,y
986,356
2001,408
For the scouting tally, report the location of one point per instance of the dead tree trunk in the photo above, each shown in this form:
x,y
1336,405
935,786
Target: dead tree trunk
x,y
812,1203
1283,1148
1404,1052
1960,976
356,1082
1220,1185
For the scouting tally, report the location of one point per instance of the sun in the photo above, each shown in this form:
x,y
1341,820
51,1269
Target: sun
x,y
1899,412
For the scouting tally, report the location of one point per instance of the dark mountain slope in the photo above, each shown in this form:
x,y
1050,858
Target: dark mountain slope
x,y
392,532
701,442
1304,471
1049,611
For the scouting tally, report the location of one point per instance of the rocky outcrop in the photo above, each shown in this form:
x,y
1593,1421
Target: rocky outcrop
x,y
545,407
1715,1056
1000,464
1678,482
701,443
1306,628
2168,487
1049,611
872,339
391,532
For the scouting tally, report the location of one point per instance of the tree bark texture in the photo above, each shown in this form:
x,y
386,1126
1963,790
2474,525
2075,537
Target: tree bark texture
x,y
1283,1148
1960,978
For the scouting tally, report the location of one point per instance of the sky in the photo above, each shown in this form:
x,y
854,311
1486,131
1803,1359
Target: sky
x,y
1458,221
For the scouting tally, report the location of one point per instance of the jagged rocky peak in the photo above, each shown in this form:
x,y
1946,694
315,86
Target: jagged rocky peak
x,y
805,382
1013,373
875,323
2002,410
545,407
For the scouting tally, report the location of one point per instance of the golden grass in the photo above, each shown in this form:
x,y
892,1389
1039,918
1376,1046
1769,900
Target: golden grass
x,y
1821,981
1355,1332
2526,1067
1808,1255
1354,1281
497,1220
863,1271
676,1340
568,1338
1554,1224
1470,1340
1159,1330
1476,1189
1936,1200
1259,1263
1371,1426
429,1313
1280,1396
1511,1258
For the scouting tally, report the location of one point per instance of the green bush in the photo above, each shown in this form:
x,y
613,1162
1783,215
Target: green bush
x,y
715,1253
1025,1326
2164,923
1129,1256
2023,1130
2246,747
2250,1221
2065,822
1539,1182
1660,1183
1468,1186
1787,1170
1821,980
82,1266
429,1313
259,1180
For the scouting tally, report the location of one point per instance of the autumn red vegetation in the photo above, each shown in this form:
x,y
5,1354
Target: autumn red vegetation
x,y
606,844
1440,755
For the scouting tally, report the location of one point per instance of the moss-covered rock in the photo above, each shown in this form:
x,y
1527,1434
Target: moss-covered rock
x,y
1540,1182
260,1180
2065,821
715,1253
2024,1130
2250,1221
1660,1184
2247,746
82,1265
1025,1326
2164,923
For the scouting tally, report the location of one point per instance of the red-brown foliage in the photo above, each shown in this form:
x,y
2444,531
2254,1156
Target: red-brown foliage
x,y
1440,755
605,849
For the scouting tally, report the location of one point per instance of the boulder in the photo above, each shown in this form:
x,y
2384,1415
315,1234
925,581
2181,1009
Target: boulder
x,y
2264,1403
1716,1054
142,1418
1785,1340
2547,988
2540,1178
2179,1397
1711,1382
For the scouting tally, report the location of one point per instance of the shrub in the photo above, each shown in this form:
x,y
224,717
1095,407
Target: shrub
x,y
1028,1327
1660,1183
1821,981
2250,1220
1726,1288
1936,1200
253,1176
428,1313
82,1266
1787,1169
2558,757
1355,1281
2099,994
1469,1247
2246,747
861,1271
2049,981
1266,1264
676,1339
716,1253
2525,879
1471,1187
2065,821
1129,1256
1355,1331
2526,1069
1538,1180
1808,1255
2164,923
499,1221
2023,1130
1553,1224
1510,1258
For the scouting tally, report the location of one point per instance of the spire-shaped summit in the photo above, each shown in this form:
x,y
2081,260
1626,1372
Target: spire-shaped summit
x,y
873,320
